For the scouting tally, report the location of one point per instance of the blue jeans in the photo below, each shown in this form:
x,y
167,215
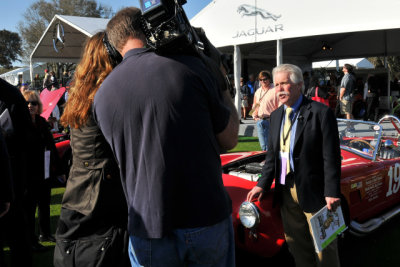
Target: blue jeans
x,y
211,246
262,129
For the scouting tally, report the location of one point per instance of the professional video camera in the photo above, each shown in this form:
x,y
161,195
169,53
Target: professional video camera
x,y
167,27
168,30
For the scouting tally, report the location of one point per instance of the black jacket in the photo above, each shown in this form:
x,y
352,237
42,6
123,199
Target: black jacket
x,y
245,90
92,226
41,140
6,190
19,142
94,186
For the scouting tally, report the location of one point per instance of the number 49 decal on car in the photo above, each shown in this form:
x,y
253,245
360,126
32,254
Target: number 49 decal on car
x,y
394,179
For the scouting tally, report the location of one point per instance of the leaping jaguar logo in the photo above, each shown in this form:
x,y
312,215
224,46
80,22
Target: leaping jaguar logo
x,y
248,10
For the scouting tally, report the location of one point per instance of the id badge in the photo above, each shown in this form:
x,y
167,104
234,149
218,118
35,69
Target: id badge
x,y
284,159
47,164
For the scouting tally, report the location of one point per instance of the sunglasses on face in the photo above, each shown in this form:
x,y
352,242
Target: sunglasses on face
x,y
33,103
264,80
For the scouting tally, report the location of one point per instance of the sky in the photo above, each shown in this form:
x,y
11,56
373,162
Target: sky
x,y
12,10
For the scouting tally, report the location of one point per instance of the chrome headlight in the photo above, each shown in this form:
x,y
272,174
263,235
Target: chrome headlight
x,y
249,215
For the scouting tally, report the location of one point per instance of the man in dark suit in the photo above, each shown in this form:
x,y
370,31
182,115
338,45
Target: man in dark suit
x,y
304,156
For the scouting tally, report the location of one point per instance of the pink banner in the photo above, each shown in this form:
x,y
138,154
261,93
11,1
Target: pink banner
x,y
49,100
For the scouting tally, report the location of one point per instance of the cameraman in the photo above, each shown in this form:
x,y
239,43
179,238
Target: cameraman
x,y
166,120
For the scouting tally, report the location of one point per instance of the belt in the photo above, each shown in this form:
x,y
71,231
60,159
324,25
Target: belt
x,y
265,118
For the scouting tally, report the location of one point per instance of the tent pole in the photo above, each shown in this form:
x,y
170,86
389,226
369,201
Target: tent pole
x,y
31,69
237,71
279,57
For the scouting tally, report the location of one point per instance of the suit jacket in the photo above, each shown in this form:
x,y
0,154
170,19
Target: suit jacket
x,y
316,155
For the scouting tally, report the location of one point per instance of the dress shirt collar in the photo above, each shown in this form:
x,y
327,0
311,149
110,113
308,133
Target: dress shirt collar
x,y
296,105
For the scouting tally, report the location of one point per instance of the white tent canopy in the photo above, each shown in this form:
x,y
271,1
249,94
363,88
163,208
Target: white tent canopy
x,y
73,31
270,33
22,74
351,28
64,38
358,63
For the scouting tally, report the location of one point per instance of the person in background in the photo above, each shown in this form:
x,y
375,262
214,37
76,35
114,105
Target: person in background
x,y
36,83
43,163
304,160
245,91
307,80
315,83
135,119
55,115
24,87
251,83
47,80
13,225
94,210
265,102
372,99
347,88
64,78
54,119
54,82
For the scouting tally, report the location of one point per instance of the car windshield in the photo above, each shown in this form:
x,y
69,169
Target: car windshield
x,y
360,137
369,139
390,127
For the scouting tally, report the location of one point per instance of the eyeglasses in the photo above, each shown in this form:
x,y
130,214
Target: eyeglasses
x,y
33,103
264,80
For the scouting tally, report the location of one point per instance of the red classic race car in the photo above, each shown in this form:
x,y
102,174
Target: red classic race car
x,y
64,151
370,185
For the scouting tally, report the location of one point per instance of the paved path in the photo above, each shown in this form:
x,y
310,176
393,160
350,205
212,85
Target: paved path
x,y
248,128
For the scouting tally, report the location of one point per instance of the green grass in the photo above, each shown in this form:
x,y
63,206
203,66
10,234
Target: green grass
x,y
246,144
45,259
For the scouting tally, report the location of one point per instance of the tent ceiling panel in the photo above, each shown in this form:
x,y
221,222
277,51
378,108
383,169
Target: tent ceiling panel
x,y
344,45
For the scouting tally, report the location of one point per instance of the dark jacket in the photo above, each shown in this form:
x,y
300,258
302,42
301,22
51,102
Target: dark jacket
x,y
322,92
92,226
18,143
94,186
6,190
245,90
42,140
316,155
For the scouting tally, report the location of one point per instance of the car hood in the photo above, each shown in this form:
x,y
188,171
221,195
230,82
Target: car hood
x,y
230,157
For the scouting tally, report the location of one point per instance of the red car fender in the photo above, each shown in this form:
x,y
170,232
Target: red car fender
x,y
62,147
268,238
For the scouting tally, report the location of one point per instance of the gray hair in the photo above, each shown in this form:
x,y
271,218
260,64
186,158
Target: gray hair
x,y
296,75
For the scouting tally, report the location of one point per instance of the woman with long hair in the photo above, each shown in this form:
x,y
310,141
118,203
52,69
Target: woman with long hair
x,y
92,226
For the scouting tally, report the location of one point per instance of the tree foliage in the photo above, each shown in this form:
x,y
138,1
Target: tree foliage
x,y
393,63
10,48
39,15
